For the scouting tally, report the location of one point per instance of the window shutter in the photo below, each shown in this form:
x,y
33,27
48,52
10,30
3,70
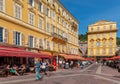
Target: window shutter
x,y
35,42
5,35
44,9
28,41
14,37
22,39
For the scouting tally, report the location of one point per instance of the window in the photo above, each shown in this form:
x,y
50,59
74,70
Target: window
x,y
111,43
53,15
48,27
58,31
1,34
31,18
91,52
48,12
110,27
17,38
18,12
104,51
48,45
110,34
32,3
97,43
104,43
31,41
91,29
104,35
53,29
91,36
110,51
104,27
40,6
98,28
40,23
98,35
98,51
92,43
40,43
2,5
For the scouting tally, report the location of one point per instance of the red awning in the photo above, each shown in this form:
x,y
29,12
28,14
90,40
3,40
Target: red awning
x,y
115,57
17,52
72,57
45,54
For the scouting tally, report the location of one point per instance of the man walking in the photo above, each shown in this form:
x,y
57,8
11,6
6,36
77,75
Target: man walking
x,y
37,70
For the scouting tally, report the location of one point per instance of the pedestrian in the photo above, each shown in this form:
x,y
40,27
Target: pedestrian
x,y
37,70
47,68
60,64
71,64
44,67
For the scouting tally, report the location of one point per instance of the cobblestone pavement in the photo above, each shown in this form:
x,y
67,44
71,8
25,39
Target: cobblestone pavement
x,y
93,74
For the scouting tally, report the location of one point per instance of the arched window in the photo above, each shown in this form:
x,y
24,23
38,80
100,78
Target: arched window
x,y
98,43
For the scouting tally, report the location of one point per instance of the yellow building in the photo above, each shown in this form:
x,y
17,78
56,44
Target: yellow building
x,y
102,39
38,24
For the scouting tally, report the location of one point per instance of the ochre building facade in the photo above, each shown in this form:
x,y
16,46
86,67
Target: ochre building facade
x,y
102,39
38,24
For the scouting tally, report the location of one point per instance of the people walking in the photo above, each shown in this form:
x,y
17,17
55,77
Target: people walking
x,y
37,70
47,68
71,64
44,66
60,64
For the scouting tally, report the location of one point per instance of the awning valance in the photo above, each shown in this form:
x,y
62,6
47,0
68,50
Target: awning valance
x,y
19,52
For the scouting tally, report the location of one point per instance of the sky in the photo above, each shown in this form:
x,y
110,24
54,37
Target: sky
x,y
88,12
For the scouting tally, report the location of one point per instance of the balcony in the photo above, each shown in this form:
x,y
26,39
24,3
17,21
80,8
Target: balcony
x,y
19,2
74,25
59,38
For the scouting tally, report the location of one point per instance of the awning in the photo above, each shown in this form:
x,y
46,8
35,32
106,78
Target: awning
x,y
115,57
87,59
17,52
45,54
72,57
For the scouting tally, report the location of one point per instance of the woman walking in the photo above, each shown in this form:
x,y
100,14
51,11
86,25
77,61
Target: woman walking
x,y
37,70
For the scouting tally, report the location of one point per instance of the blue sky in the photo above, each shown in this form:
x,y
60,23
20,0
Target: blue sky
x,y
90,11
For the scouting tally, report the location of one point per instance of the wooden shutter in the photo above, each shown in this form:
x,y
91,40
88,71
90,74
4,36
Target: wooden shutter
x,y
22,39
14,37
44,9
28,41
5,35
35,44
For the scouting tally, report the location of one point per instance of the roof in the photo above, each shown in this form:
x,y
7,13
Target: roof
x,y
102,22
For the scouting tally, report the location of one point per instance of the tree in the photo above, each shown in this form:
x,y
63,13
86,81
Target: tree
x,y
118,41
82,37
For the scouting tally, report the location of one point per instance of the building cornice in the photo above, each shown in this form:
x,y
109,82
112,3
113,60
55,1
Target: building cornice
x,y
105,31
